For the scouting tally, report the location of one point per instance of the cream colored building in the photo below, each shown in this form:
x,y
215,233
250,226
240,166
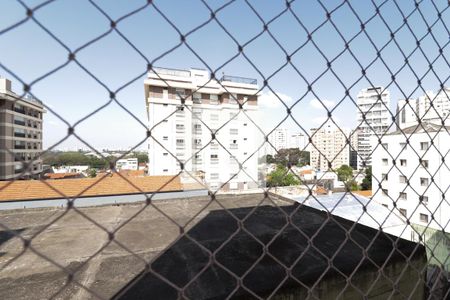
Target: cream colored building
x,y
329,147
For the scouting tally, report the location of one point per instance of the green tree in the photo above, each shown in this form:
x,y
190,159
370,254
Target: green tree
x,y
266,159
92,173
280,177
142,157
293,156
367,181
345,173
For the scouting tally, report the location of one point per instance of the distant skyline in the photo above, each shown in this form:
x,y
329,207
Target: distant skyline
x,y
29,52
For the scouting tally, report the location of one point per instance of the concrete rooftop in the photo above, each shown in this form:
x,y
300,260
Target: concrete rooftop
x,y
72,239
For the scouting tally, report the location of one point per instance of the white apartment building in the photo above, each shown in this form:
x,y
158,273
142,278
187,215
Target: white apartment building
x,y
329,144
209,134
279,139
431,107
427,177
297,140
373,119
127,164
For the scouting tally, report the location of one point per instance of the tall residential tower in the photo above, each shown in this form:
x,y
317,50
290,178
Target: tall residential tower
x,y
20,134
373,120
210,134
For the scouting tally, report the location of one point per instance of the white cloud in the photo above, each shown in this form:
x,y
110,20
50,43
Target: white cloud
x,y
270,100
315,103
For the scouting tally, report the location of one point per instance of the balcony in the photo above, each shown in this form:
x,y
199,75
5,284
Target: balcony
x,y
18,122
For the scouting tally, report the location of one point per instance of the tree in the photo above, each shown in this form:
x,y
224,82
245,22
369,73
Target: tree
x,y
142,157
367,181
92,173
293,156
280,177
345,173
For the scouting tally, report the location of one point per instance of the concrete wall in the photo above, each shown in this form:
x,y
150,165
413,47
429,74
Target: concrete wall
x,y
96,201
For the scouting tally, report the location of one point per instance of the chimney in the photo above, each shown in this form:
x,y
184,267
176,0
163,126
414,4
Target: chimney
x,y
5,85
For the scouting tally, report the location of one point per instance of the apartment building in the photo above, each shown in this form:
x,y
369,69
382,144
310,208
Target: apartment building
x,y
418,182
20,134
431,107
353,149
279,139
210,134
373,118
297,140
329,147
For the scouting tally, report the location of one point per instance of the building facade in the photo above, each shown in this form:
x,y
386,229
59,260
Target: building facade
x,y
329,149
20,134
353,149
279,139
297,140
373,119
211,135
127,164
418,182
431,107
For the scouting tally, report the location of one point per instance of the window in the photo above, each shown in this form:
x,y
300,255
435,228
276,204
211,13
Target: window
x,y
424,181
179,127
402,196
213,99
180,143
196,98
165,154
385,192
234,131
214,117
19,132
424,164
385,161
165,138
214,159
424,146
214,176
197,128
384,176
385,205
403,212
424,218
198,143
385,146
180,109
403,146
179,93
423,199
403,162
402,179
19,145
19,121
245,124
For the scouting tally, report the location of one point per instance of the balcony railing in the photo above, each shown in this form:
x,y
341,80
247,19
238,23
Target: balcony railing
x,y
172,72
238,79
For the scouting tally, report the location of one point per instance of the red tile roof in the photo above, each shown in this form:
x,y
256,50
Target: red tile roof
x,y
100,186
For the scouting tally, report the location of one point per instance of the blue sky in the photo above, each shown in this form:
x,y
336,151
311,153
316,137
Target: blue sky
x,y
30,52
